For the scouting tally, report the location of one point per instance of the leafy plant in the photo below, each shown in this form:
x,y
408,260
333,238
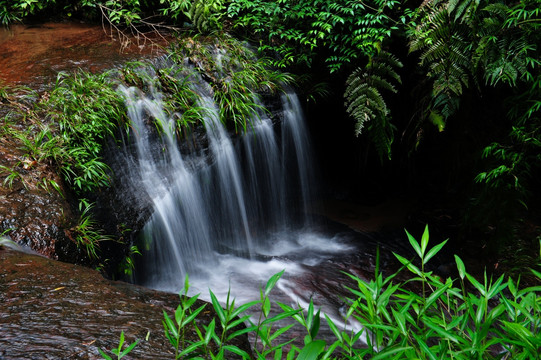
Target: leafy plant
x,y
87,110
443,321
11,176
206,15
366,104
214,338
176,8
127,265
299,31
86,234
237,78
422,317
11,11
445,49
118,351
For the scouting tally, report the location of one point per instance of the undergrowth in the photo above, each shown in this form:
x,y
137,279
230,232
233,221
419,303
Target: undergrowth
x,y
453,318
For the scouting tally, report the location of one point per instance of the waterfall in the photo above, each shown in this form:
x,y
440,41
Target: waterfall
x,y
241,196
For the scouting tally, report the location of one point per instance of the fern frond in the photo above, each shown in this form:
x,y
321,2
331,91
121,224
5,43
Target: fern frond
x,y
365,103
463,10
382,135
205,14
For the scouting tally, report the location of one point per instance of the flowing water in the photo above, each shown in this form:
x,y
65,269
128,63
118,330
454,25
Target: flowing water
x,y
232,215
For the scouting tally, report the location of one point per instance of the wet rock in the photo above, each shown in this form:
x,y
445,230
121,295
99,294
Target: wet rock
x,y
32,214
55,310
32,55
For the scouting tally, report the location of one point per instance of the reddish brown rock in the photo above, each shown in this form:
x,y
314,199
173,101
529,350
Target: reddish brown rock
x,y
55,310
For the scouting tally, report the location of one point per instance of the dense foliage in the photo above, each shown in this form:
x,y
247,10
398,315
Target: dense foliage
x,y
486,53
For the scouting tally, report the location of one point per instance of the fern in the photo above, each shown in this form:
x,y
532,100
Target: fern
x,y
206,14
506,57
445,49
365,103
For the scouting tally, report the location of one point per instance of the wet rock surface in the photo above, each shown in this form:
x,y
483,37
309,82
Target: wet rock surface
x,y
55,310
31,214
33,55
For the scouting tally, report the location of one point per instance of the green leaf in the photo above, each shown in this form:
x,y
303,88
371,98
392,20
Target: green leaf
x,y
309,315
414,269
237,333
312,350
191,348
439,329
266,307
424,240
244,307
460,266
272,282
280,316
433,251
414,244
314,329
129,348
104,355
385,354
330,350
401,321
476,284
424,347
496,288
236,350
436,295
121,342
186,284
209,334
334,328
525,335
218,308
179,314
192,316
280,331
170,326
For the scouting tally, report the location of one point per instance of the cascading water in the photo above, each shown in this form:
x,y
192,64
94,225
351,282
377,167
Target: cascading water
x,y
234,214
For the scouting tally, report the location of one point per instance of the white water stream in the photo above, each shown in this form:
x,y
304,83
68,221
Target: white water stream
x,y
234,221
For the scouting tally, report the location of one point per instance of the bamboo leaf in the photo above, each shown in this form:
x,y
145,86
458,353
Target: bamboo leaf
x,y
236,350
312,350
460,266
334,328
218,308
272,282
424,241
129,348
414,244
169,325
434,251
